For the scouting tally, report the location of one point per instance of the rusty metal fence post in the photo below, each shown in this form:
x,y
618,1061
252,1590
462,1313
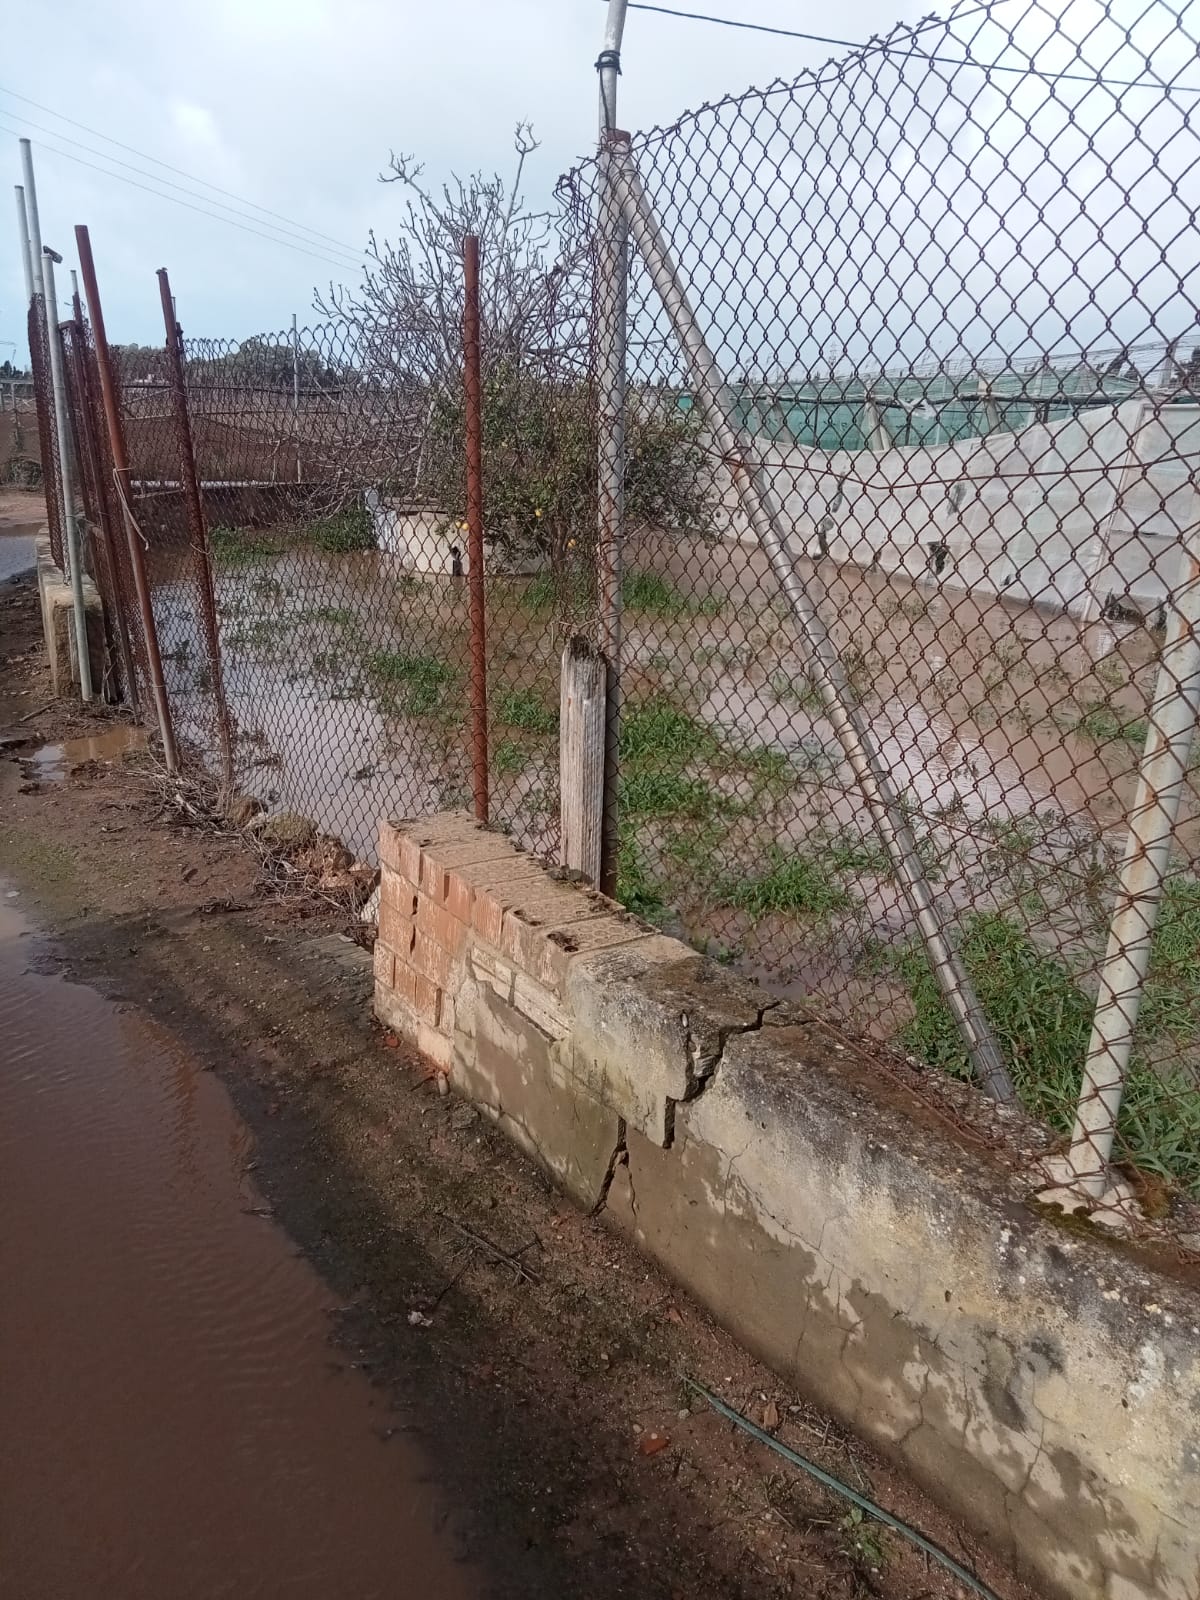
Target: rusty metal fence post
x,y
766,519
197,526
473,401
96,503
121,479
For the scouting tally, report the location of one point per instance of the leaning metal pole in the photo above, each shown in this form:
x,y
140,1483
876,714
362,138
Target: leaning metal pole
x,y
121,480
611,295
1161,784
197,522
766,518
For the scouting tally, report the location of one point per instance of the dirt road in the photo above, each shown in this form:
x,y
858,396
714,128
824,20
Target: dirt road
x,y
522,1358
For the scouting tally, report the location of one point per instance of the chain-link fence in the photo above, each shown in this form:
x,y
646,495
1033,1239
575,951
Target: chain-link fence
x,y
934,325
856,421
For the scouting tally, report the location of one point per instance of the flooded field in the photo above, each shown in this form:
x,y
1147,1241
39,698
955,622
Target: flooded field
x,y
175,1420
1011,734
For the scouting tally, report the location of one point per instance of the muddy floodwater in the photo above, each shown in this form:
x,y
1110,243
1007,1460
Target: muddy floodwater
x,y
173,1419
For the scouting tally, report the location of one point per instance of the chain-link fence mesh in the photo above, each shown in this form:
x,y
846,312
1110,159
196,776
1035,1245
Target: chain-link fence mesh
x,y
909,543
335,501
950,314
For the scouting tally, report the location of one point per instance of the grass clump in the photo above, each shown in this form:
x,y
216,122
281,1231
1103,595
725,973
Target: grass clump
x,y
1103,723
637,890
1042,1020
667,794
524,710
1171,999
231,547
791,885
508,758
660,733
342,532
650,592
421,685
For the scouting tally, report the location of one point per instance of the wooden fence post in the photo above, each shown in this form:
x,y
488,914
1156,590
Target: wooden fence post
x,y
581,757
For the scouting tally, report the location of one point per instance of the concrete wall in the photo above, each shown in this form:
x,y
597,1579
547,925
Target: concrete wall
x,y
57,601
1038,1380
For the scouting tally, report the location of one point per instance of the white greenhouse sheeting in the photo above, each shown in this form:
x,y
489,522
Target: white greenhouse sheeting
x,y
1071,514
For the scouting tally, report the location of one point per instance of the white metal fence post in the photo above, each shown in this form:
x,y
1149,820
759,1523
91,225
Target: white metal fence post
x,y
1161,782
23,238
766,518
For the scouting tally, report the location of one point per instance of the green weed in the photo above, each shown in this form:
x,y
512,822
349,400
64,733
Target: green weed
x,y
1042,1020
1171,999
863,1538
508,758
232,548
342,532
636,889
539,592
521,708
848,851
420,685
654,793
1103,723
657,731
652,593
791,885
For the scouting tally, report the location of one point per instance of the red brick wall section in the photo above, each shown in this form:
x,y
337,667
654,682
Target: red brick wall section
x,y
448,885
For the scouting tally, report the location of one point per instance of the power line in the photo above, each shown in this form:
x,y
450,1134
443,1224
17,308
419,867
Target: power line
x,y
179,171
889,48
214,216
116,161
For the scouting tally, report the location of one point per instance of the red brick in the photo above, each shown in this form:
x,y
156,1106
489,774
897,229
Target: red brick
x,y
419,993
401,839
495,894
525,927
459,894
432,960
561,946
440,859
398,893
464,883
397,905
439,924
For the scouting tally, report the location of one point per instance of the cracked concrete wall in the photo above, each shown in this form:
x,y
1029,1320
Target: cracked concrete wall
x,y
1042,1382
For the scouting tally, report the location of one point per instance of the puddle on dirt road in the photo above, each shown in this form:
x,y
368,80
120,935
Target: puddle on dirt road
x,y
55,761
17,553
174,1422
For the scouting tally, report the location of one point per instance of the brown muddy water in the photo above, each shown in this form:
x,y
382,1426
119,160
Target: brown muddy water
x,y
173,1422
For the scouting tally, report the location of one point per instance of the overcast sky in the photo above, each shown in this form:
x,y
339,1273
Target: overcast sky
x,y
294,104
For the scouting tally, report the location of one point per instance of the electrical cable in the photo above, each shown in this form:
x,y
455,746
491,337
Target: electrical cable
x,y
204,182
897,48
214,216
103,155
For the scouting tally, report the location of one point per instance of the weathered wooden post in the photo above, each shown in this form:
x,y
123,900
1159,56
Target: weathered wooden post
x,y
581,723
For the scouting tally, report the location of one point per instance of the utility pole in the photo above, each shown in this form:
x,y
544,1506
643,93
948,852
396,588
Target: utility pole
x,y
42,271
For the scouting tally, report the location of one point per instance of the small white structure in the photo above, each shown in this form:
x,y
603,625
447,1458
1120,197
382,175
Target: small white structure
x,y
423,540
